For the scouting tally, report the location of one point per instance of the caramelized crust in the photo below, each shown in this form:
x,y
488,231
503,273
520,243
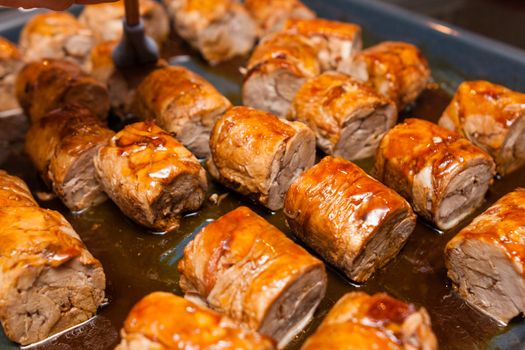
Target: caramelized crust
x,y
14,192
165,321
493,118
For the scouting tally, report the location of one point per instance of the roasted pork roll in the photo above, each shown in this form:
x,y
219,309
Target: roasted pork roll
x,y
246,268
219,29
486,260
397,70
271,15
50,282
259,155
348,118
151,176
280,64
442,174
353,221
183,103
105,20
362,321
56,35
62,146
48,84
166,321
335,41
491,117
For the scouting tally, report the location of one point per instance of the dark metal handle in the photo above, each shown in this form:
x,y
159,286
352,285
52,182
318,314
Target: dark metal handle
x,y
132,12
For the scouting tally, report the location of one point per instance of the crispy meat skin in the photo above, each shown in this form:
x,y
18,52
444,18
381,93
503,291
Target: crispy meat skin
x,y
245,267
257,154
151,176
166,321
182,103
443,175
361,321
353,221
486,259
493,118
348,118
14,192
10,63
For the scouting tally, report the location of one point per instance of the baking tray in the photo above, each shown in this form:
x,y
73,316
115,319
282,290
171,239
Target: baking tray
x,y
137,262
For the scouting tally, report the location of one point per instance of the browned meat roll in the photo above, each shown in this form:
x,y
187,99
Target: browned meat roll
x,y
248,269
443,175
280,64
183,103
395,69
50,282
48,84
56,35
335,41
166,321
257,154
353,221
271,15
486,260
491,117
361,321
62,146
348,118
151,176
219,29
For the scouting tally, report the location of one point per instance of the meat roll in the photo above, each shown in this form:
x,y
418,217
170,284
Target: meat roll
x,y
50,282
335,41
257,154
62,146
105,20
166,321
271,15
395,69
48,84
219,29
183,103
353,221
361,321
248,269
56,35
443,175
486,259
348,118
280,64
151,176
491,117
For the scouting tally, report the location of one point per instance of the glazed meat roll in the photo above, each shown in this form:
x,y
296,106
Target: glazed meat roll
x,y
335,41
166,321
491,117
219,29
48,84
183,103
280,64
486,262
56,35
257,154
395,69
271,15
249,270
348,118
151,176
443,175
50,282
362,321
353,221
62,146
105,20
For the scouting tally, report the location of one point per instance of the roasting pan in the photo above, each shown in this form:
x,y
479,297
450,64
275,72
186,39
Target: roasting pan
x,y
137,262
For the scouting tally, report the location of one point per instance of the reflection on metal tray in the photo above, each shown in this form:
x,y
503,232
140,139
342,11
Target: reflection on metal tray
x,y
137,262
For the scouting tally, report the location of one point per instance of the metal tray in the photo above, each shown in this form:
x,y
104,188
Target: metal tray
x,y
137,262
